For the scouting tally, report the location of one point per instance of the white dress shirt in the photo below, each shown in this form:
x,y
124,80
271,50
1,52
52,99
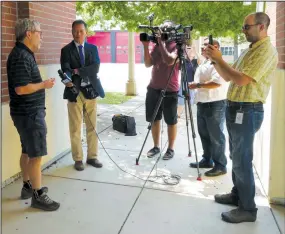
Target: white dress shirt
x,y
205,73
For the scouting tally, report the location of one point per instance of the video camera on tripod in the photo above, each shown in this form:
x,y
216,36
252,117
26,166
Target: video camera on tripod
x,y
172,33
168,33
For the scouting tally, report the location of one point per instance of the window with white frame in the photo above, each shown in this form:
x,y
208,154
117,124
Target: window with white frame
x,y
227,50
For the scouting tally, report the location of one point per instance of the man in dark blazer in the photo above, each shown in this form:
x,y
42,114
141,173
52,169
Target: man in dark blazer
x,y
80,61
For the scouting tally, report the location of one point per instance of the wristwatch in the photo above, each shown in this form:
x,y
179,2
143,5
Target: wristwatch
x,y
198,85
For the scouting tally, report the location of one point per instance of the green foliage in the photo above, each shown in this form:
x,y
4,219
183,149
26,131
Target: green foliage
x,y
220,19
114,98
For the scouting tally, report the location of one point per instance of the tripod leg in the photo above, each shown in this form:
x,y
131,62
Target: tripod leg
x,y
186,101
194,137
162,95
187,127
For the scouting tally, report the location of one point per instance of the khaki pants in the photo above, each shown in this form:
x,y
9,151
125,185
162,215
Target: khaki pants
x,y
75,111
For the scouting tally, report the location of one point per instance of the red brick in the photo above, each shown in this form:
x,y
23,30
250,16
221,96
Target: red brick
x,y
5,99
7,37
55,18
9,30
6,9
8,23
9,4
4,85
6,50
280,27
4,91
4,76
9,17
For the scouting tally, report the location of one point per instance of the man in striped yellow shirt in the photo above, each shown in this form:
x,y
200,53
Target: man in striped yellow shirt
x,y
250,79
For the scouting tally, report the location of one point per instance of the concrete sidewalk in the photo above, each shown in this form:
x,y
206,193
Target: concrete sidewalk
x,y
111,201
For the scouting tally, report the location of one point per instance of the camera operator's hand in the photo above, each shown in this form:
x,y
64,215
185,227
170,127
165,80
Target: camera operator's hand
x,y
192,85
49,83
145,43
213,53
158,36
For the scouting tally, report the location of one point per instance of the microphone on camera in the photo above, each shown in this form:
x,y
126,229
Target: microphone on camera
x,y
66,79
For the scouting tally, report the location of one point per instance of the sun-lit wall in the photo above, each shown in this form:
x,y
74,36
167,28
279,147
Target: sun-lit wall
x,y
57,124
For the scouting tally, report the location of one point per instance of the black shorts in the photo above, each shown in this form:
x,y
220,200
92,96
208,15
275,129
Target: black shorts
x,y
168,106
32,130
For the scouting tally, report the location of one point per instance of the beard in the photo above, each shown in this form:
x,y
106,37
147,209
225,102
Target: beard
x,y
251,38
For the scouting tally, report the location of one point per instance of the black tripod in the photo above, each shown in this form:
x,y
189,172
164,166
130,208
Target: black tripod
x,y
186,94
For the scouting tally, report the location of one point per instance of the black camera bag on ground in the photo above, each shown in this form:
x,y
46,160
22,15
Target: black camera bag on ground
x,y
125,124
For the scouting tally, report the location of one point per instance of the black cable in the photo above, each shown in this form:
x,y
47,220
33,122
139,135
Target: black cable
x,y
165,177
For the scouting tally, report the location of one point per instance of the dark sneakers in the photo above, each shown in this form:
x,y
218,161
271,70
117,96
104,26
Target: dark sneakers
x,y
216,172
239,216
43,202
203,164
152,152
155,150
168,154
227,199
28,193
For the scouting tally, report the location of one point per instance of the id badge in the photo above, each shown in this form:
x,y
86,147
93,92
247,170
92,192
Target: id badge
x,y
239,117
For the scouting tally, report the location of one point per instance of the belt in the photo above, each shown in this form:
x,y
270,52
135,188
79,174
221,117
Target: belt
x,y
211,103
248,104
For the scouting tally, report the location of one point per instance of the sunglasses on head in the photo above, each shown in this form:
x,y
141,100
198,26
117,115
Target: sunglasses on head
x,y
247,26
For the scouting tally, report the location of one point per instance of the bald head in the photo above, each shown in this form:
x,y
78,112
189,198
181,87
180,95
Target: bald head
x,y
261,18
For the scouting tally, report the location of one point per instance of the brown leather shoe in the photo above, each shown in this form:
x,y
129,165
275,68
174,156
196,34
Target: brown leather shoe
x,y
78,165
94,162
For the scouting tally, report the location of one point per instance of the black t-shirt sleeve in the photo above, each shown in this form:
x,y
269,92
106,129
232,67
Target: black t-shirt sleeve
x,y
22,69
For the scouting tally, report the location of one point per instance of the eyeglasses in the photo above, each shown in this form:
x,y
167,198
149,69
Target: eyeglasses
x,y
247,26
40,32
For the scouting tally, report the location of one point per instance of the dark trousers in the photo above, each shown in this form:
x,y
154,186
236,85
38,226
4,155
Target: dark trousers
x,y
211,120
241,139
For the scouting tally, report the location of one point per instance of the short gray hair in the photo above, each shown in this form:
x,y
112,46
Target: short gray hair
x,y
262,18
24,25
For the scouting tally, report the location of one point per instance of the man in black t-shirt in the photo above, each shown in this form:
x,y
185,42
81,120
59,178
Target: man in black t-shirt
x,y
27,109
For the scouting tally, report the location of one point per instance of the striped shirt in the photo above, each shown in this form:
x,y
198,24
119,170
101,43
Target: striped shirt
x,y
22,70
259,62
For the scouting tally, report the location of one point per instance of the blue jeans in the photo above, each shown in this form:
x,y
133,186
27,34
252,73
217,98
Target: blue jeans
x,y
241,138
211,120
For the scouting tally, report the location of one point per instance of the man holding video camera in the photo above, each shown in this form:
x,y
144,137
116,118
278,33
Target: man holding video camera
x,y
249,80
162,58
76,58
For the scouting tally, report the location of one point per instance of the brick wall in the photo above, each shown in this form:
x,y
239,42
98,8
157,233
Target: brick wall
x,y
280,33
271,12
8,17
55,18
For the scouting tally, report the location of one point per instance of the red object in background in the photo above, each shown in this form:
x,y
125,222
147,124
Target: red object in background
x,y
121,47
103,41
138,48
